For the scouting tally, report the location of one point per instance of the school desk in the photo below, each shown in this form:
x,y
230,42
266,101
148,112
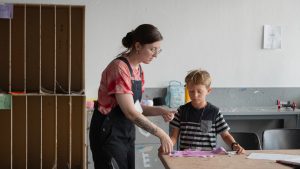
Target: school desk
x,y
226,161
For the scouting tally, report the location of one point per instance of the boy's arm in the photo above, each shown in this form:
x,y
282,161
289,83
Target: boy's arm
x,y
174,135
229,140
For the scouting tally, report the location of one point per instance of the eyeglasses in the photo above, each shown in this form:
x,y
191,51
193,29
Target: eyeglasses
x,y
155,50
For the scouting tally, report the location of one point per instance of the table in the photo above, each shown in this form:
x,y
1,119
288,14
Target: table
x,y
226,161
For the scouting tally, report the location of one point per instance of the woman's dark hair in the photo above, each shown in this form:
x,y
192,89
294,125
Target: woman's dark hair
x,y
144,34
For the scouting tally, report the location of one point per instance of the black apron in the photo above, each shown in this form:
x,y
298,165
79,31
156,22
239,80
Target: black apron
x,y
112,136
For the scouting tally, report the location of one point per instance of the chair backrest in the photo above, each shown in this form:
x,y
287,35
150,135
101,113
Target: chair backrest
x,y
274,139
248,140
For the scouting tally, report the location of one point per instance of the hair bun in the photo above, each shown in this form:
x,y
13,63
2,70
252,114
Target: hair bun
x,y
128,40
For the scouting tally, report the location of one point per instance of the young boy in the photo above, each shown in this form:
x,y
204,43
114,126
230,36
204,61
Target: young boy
x,y
198,122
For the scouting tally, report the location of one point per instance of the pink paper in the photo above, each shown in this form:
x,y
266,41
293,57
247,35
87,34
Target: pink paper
x,y
198,153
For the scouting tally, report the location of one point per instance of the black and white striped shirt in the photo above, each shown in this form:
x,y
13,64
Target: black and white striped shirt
x,y
199,127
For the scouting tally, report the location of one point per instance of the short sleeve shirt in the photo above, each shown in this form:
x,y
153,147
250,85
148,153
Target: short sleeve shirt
x,y
199,127
116,78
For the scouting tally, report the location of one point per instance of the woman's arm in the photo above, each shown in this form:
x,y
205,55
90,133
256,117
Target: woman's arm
x,y
174,136
125,102
157,111
229,140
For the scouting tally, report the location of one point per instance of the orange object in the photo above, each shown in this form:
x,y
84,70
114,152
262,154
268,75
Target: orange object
x,y
16,93
187,96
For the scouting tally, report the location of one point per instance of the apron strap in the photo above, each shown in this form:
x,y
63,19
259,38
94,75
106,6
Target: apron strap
x,y
129,67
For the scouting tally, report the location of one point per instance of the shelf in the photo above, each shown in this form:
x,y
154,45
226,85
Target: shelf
x,y
42,49
42,66
42,131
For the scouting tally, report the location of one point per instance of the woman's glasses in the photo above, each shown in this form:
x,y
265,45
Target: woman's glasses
x,y
155,50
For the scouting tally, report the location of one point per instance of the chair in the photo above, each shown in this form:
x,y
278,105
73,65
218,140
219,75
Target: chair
x,y
248,140
274,139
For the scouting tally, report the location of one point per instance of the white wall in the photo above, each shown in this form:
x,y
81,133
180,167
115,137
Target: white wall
x,y
222,36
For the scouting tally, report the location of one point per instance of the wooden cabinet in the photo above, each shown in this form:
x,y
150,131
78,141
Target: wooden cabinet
x,y
42,67
42,50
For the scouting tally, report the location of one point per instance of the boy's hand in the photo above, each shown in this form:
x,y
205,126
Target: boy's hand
x,y
239,149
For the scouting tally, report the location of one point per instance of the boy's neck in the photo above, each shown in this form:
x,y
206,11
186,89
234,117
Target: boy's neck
x,y
199,105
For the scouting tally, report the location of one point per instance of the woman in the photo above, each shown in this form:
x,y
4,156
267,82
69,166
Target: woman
x,y
112,130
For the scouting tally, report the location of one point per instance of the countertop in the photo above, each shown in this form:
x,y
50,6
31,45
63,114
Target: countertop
x,y
265,110
271,110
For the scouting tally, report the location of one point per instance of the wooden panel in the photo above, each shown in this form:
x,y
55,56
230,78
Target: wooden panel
x,y
5,143
32,48
63,132
48,48
77,50
34,117
17,52
4,55
77,131
19,132
48,131
62,49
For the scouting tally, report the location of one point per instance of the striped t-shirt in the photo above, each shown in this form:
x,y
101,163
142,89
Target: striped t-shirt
x,y
199,127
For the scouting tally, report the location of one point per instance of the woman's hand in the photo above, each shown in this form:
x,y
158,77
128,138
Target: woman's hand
x,y
168,115
166,144
160,151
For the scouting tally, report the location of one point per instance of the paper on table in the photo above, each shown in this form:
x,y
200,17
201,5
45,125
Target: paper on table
x,y
265,156
294,161
198,153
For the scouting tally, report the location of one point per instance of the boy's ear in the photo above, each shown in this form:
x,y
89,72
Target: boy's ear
x,y
209,90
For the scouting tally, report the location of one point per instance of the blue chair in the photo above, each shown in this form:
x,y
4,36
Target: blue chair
x,y
274,139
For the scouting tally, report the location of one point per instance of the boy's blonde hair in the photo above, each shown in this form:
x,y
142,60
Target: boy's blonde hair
x,y
198,77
